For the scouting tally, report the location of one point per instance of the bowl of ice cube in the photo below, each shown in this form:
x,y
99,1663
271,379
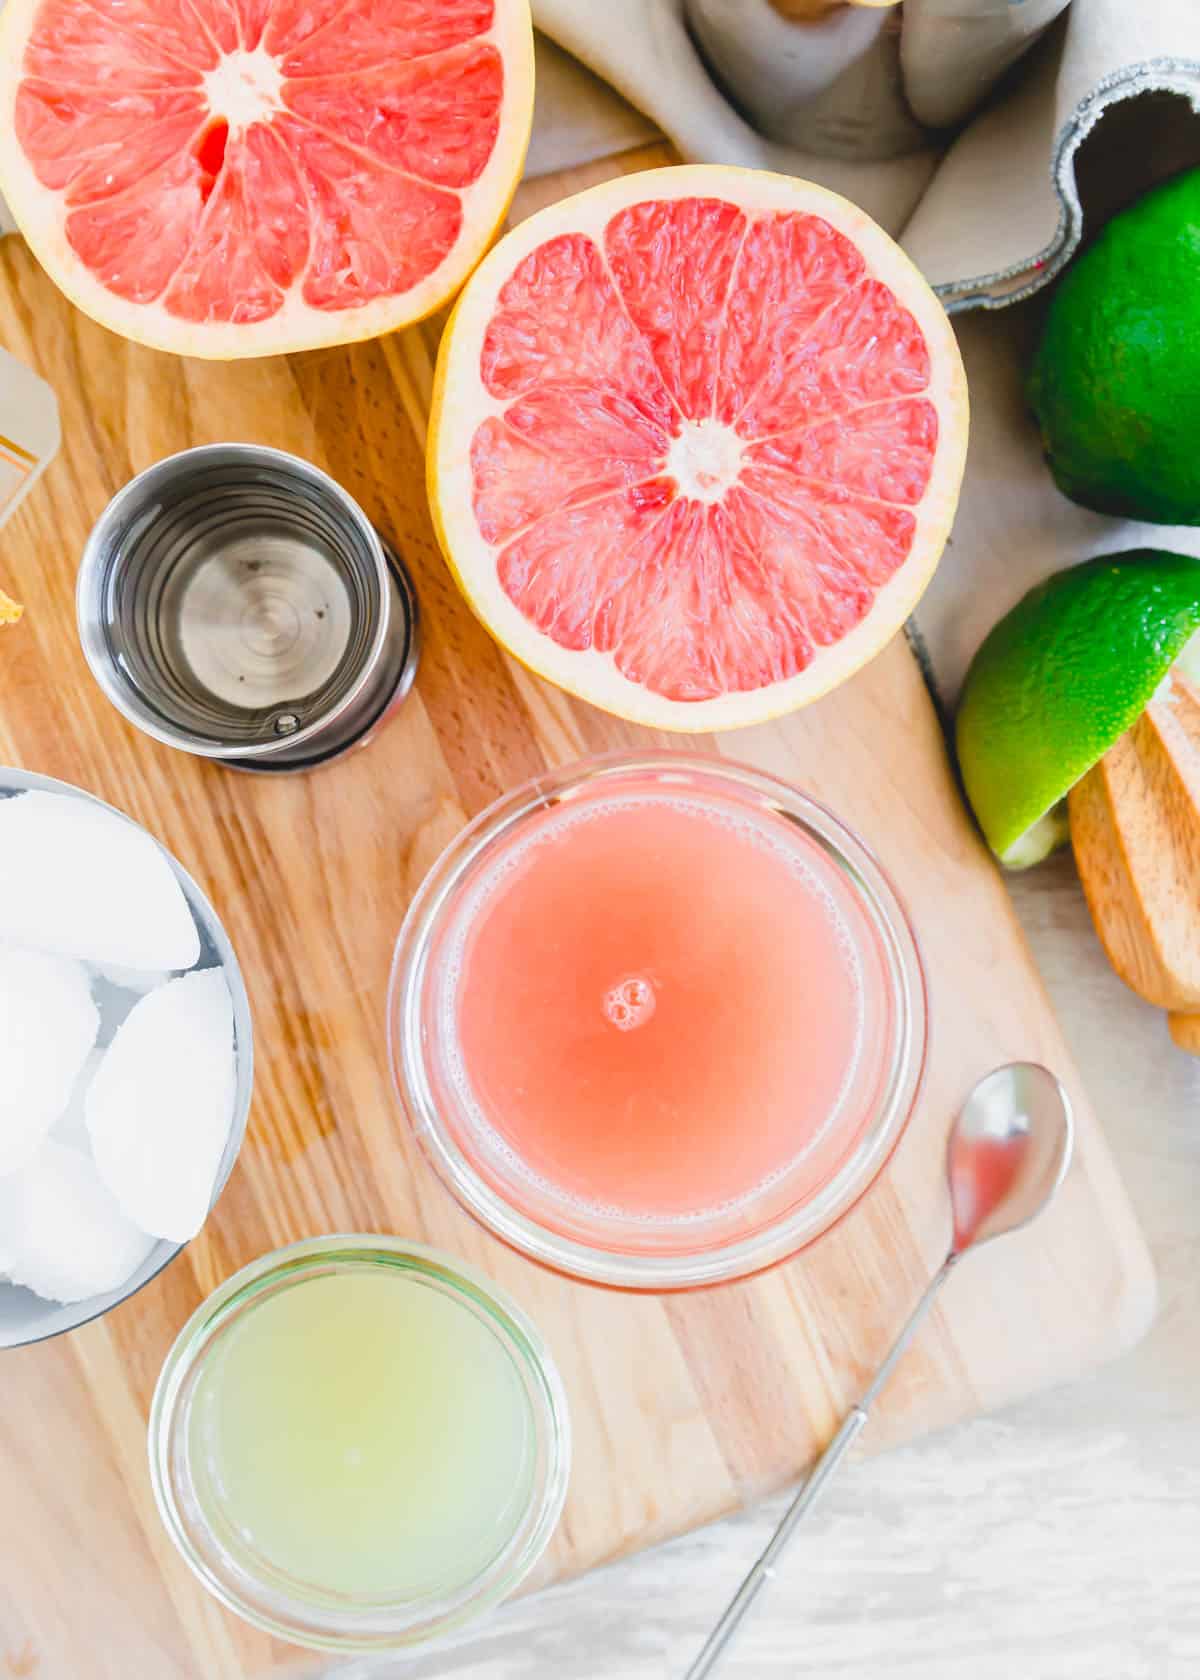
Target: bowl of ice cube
x,y
126,1057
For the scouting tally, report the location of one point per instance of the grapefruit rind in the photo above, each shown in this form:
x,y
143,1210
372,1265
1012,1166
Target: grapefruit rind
x,y
296,326
460,403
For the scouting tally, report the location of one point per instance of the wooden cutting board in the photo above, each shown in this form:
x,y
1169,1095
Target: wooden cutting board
x,y
683,1407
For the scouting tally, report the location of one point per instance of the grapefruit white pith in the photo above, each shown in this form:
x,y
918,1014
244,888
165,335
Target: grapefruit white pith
x,y
696,443
240,177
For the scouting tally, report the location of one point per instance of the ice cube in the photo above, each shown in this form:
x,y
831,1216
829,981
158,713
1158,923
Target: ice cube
x,y
161,1104
139,980
70,1127
61,1230
116,990
48,1024
84,882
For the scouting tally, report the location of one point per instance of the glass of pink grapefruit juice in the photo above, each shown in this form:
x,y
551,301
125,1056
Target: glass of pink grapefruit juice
x,y
658,1021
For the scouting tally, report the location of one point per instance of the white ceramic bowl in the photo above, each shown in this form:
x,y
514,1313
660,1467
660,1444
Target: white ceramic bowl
x,y
24,1316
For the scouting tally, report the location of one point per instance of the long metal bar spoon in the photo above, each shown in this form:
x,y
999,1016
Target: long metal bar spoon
x,y
1008,1153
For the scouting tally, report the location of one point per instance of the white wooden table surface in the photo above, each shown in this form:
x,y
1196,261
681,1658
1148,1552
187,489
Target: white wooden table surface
x,y
1059,1540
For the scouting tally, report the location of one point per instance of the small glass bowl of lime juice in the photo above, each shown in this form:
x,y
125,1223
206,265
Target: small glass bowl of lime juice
x,y
359,1443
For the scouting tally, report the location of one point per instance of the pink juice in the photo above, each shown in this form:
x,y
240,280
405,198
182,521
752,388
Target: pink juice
x,y
660,1002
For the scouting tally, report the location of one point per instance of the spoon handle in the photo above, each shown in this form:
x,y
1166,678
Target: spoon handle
x,y
820,1474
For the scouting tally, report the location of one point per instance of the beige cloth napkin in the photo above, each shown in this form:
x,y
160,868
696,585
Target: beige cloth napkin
x,y
990,215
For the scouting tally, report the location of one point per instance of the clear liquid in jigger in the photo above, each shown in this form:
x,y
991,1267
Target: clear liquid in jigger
x,y
258,621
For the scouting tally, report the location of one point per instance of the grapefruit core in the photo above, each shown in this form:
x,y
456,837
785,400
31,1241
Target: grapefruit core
x,y
696,443
239,177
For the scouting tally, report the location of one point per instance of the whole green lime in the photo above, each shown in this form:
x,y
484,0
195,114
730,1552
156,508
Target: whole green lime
x,y
1059,679
1115,382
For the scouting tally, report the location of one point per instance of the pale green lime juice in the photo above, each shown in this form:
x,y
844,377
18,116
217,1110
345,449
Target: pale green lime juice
x,y
367,1435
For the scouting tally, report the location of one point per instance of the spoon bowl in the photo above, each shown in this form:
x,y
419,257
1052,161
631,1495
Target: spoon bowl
x,y
1009,1151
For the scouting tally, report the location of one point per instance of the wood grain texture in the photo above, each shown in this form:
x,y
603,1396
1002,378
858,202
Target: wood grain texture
x,y
1135,831
683,1408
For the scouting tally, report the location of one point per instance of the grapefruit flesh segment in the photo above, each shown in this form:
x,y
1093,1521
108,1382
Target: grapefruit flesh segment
x,y
720,447
885,454
375,232
435,119
533,338
112,47
362,36
790,270
671,268
246,249
137,240
192,171
83,138
559,447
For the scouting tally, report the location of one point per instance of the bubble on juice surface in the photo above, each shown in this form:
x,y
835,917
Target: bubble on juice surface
x,y
630,1003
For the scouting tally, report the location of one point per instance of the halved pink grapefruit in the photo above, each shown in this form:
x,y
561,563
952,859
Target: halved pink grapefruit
x,y
696,443
238,177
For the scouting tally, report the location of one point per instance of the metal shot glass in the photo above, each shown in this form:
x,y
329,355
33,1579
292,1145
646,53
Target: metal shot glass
x,y
235,602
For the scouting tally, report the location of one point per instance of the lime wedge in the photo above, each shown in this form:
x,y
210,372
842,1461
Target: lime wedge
x,y
1059,679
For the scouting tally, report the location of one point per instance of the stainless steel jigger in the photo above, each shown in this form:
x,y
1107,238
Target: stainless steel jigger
x,y
1009,1151
235,602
